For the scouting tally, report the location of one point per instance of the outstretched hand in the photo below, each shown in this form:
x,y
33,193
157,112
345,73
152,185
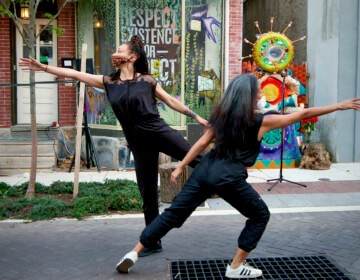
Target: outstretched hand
x,y
202,121
30,64
350,104
175,174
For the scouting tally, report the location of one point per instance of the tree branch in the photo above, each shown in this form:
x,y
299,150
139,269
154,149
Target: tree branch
x,y
5,4
54,17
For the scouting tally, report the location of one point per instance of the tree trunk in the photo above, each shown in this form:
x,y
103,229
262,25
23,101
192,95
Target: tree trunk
x,y
167,189
32,180
30,192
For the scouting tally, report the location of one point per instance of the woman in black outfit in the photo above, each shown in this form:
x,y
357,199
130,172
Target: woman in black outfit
x,y
238,131
132,93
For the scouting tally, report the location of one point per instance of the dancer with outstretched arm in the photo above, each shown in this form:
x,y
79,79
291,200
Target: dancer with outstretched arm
x,y
237,129
132,93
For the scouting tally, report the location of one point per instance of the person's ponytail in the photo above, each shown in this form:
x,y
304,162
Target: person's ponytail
x,y
135,40
137,46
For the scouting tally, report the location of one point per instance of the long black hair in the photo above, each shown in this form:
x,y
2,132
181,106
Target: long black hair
x,y
235,113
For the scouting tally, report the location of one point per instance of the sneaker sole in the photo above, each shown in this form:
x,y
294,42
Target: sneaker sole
x,y
242,276
124,266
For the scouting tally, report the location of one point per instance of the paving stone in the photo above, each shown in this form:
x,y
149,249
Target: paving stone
x,y
89,249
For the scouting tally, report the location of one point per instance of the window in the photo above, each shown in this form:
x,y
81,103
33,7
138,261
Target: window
x,y
185,56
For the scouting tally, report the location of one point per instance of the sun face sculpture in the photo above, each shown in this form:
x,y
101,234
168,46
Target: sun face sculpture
x,y
272,51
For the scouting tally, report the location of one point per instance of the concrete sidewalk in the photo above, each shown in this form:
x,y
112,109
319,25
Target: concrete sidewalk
x,y
337,172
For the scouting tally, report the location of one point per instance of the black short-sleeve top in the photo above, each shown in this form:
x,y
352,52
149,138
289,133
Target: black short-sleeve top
x,y
249,148
243,150
134,104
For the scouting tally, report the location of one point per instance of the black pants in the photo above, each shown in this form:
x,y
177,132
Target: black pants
x,y
146,157
226,178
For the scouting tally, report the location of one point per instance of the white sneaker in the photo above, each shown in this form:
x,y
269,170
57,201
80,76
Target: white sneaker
x,y
126,262
243,271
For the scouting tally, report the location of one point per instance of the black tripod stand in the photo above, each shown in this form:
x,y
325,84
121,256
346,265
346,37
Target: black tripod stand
x,y
281,178
89,145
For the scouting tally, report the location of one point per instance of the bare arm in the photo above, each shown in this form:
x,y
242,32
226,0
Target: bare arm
x,y
90,79
279,121
195,150
177,105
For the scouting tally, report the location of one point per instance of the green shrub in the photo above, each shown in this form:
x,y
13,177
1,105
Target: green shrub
x,y
125,195
3,188
45,208
93,198
57,187
17,191
120,202
6,207
84,206
11,208
93,189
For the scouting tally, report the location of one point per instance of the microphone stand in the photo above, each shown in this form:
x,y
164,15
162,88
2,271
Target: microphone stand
x,y
281,178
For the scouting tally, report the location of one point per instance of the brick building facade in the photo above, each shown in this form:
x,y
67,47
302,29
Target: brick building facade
x,y
66,47
333,46
5,73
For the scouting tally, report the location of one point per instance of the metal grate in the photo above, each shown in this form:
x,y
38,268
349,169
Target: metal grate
x,y
274,268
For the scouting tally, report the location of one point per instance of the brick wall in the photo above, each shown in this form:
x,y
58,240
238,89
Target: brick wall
x,y
235,37
5,66
67,48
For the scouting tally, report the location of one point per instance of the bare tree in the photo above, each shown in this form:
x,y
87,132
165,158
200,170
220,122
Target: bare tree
x,y
28,33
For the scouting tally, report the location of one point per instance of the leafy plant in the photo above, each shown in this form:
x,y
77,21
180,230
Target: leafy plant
x,y
44,208
7,207
16,191
56,200
92,204
57,187
308,125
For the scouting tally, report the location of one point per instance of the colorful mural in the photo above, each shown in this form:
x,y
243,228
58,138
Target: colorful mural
x,y
203,55
272,53
158,23
96,108
294,98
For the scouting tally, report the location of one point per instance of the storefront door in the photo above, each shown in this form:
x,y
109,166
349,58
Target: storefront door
x,y
46,93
